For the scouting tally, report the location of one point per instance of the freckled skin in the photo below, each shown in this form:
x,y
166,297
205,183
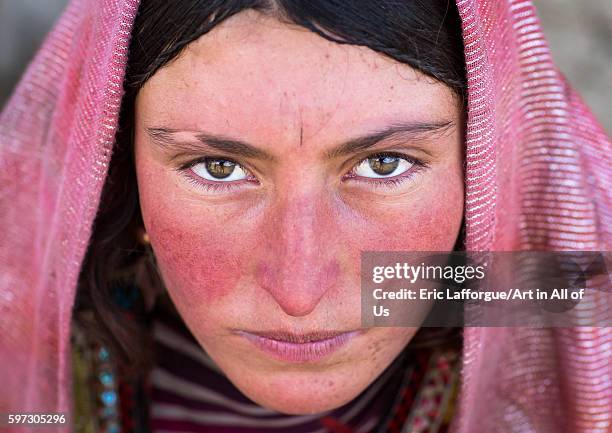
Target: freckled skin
x,y
284,252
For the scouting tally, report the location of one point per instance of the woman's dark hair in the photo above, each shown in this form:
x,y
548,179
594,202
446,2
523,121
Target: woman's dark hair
x,y
425,34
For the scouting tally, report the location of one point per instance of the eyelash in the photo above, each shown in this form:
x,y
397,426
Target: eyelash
x,y
389,182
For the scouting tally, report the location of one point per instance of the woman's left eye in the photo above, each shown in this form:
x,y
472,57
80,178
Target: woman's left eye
x,y
219,170
383,166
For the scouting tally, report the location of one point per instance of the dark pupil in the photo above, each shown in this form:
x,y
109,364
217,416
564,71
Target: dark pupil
x,y
383,165
220,168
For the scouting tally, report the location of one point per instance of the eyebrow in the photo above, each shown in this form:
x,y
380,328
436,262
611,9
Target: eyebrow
x,y
412,131
409,131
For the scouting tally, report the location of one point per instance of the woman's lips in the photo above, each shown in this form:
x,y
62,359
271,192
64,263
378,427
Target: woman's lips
x,y
291,347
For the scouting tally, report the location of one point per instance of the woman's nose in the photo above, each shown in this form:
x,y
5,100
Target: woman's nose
x,y
299,264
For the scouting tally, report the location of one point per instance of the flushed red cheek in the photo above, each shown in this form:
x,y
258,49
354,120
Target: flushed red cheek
x,y
422,231
198,265
422,223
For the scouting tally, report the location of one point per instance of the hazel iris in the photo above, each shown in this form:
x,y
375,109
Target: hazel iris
x,y
383,164
220,168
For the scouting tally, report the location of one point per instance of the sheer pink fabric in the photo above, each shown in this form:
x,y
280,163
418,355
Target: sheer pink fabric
x,y
538,177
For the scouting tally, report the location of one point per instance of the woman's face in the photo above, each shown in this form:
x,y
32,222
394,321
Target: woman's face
x,y
268,159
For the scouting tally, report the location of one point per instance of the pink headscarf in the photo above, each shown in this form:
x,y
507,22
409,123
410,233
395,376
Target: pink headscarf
x,y
538,178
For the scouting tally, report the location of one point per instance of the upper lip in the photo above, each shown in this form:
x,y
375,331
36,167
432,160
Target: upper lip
x,y
297,338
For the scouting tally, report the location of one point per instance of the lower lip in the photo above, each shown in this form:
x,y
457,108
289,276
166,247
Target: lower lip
x,y
299,352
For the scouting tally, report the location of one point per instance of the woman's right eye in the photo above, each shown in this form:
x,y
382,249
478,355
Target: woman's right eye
x,y
219,170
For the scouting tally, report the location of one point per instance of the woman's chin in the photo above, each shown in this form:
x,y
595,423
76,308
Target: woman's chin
x,y
300,406
301,392
302,395
310,386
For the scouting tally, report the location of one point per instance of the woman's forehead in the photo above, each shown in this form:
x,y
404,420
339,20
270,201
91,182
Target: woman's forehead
x,y
265,81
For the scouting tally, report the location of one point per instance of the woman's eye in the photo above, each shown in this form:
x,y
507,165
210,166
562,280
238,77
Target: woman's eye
x,y
219,170
381,166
